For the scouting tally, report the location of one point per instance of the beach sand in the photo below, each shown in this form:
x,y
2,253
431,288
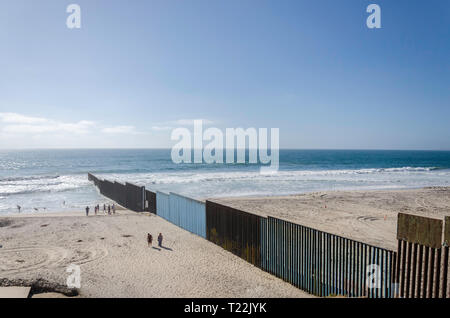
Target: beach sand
x,y
116,262
366,216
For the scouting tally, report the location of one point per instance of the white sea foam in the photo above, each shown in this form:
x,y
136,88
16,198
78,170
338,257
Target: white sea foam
x,y
75,191
301,175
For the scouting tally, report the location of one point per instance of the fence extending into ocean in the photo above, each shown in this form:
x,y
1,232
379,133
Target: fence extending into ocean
x,y
318,262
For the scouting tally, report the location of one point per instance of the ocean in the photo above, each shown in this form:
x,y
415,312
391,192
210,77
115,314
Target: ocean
x,y
56,180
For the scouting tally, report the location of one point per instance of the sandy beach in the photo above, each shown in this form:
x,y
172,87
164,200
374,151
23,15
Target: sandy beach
x,y
115,260
366,216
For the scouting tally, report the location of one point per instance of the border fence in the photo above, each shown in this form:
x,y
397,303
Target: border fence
x,y
423,256
128,195
234,230
150,201
187,213
325,264
318,262
191,214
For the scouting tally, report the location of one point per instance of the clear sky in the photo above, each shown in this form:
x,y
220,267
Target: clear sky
x,y
136,69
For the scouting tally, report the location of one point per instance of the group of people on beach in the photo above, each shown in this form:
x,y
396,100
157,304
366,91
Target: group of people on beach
x,y
110,208
150,239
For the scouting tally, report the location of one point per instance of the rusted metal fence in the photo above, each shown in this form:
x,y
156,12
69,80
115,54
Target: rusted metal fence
x,y
423,257
236,231
325,264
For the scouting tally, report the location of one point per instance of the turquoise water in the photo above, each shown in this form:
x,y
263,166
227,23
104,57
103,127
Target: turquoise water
x,y
53,180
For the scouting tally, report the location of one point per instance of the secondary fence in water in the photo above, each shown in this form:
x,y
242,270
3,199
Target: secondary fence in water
x,y
128,195
318,262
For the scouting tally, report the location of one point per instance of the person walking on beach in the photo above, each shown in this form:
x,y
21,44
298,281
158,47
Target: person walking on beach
x,y
18,208
149,239
95,210
160,238
87,211
114,209
104,208
109,209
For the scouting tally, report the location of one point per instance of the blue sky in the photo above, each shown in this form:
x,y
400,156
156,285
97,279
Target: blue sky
x,y
136,69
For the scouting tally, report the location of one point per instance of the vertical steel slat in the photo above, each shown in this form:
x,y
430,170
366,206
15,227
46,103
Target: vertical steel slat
x,y
387,281
289,258
272,247
408,269
370,262
419,271
341,266
279,255
335,266
357,269
314,255
387,274
431,278
293,254
328,265
303,268
349,268
379,289
393,284
414,270
403,269
353,280
319,263
300,256
445,273
438,273
323,265
346,269
382,272
296,256
426,271
330,272
361,270
283,249
310,260
397,267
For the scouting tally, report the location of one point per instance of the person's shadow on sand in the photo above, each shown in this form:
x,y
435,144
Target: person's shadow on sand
x,y
155,248
166,248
